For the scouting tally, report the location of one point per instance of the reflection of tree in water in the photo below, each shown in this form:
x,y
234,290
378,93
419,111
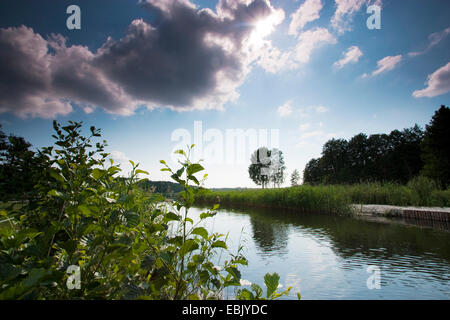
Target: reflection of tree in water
x,y
350,237
270,237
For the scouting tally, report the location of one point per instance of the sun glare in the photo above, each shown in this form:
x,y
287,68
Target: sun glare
x,y
262,29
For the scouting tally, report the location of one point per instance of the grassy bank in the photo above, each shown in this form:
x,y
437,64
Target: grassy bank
x,y
333,198
326,199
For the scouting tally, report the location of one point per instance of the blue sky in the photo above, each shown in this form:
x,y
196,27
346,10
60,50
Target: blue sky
x,y
311,70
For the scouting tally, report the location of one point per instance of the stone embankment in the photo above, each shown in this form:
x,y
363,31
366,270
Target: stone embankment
x,y
432,216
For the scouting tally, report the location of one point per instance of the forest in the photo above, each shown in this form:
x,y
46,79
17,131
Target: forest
x,y
395,157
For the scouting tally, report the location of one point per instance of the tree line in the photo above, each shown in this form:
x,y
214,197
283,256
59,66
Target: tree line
x,y
397,157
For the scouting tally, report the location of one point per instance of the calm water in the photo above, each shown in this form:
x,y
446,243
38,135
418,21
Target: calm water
x,y
326,257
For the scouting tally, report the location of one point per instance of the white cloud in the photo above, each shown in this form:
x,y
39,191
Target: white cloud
x,y
386,64
437,83
307,12
273,60
345,10
433,40
351,55
214,53
285,110
310,40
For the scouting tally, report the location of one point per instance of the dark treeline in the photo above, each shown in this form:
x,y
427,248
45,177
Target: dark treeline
x,y
397,157
166,188
21,167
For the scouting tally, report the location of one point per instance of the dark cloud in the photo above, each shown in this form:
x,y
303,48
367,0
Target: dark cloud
x,y
186,59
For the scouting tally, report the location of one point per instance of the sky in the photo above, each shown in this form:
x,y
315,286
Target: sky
x,y
227,75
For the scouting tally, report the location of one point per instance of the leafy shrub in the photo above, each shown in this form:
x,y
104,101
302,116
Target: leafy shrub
x,y
272,282
128,243
422,188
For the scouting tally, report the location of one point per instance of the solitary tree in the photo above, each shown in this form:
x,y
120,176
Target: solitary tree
x,y
295,177
267,166
277,167
259,167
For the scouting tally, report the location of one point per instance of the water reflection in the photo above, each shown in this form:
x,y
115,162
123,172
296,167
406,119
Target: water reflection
x,y
269,238
326,257
351,236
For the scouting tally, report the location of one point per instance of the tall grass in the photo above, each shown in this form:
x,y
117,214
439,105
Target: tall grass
x,y
326,199
334,198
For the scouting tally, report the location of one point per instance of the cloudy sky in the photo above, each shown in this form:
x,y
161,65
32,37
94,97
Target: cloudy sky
x,y
154,74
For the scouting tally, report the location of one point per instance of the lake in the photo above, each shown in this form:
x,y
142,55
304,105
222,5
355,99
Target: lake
x,y
327,257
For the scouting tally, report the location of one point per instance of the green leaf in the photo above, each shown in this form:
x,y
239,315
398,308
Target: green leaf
x,y
177,240
242,261
132,219
23,234
299,296
8,272
56,175
170,216
55,193
201,232
219,244
115,246
188,246
166,256
271,281
97,173
245,294
180,171
180,152
205,215
141,171
84,209
234,272
193,178
194,168
34,277
257,290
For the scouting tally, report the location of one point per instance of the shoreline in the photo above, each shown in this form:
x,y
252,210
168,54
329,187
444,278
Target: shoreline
x,y
435,213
